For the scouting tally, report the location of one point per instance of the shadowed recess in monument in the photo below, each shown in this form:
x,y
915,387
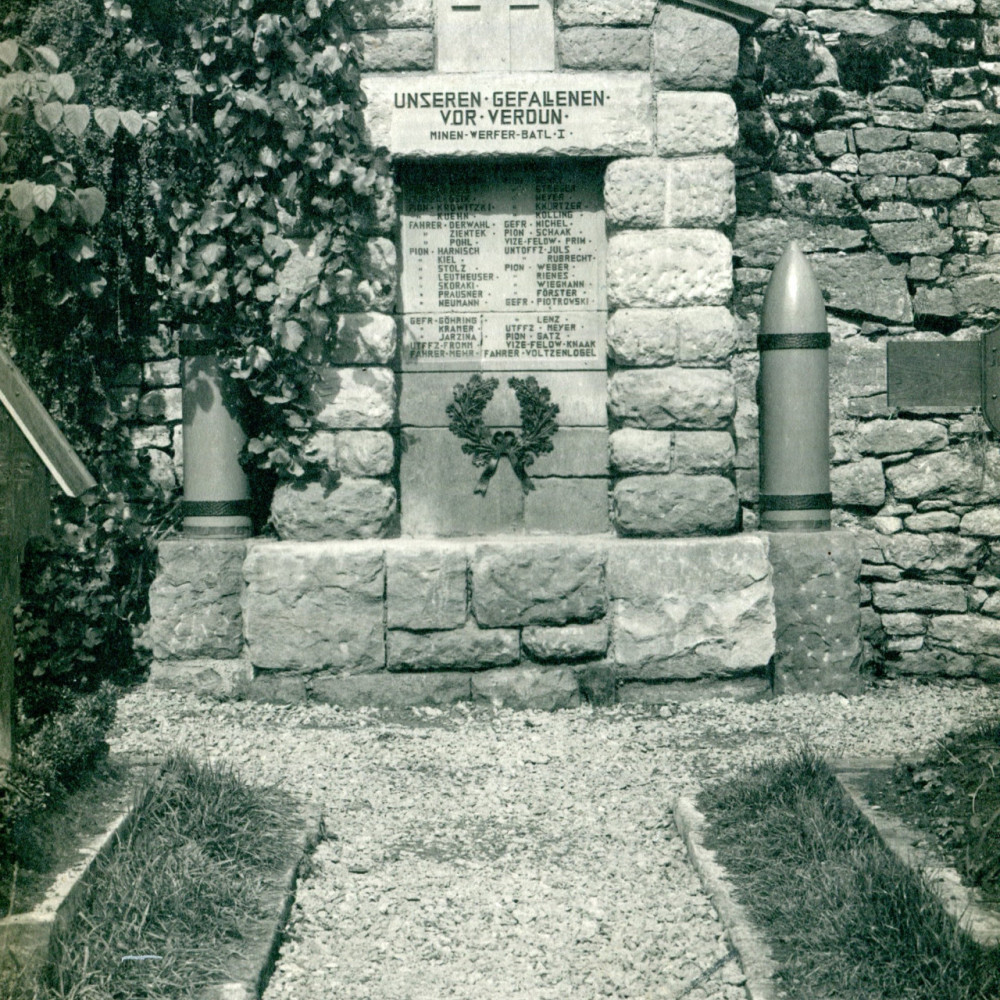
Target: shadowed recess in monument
x,y
503,276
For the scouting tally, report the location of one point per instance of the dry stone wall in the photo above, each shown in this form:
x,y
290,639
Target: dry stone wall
x,y
870,133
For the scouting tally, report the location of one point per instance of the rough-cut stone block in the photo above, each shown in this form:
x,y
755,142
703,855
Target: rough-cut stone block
x,y
278,688
699,452
984,522
753,687
691,608
925,7
537,583
567,506
864,283
898,163
977,293
966,633
933,520
215,678
893,437
635,450
310,606
194,602
396,49
363,453
468,648
661,398
425,586
818,192
818,616
700,191
669,267
392,690
934,302
565,642
923,237
355,508
355,397
695,335
939,552
692,51
878,139
934,188
956,476
573,12
363,14
915,595
689,123
759,241
635,192
363,339
675,505
160,406
545,689
858,484
858,378
603,48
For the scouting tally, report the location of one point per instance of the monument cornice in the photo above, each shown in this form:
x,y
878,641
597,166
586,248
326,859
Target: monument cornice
x,y
748,14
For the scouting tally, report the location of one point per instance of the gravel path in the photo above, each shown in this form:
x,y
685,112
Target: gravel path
x,y
495,855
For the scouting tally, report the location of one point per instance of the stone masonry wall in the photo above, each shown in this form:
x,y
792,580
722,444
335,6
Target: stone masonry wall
x,y
870,133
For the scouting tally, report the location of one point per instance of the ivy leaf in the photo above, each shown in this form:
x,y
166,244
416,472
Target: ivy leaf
x,y
45,196
76,117
292,335
49,115
8,51
212,253
81,249
92,204
48,55
132,121
267,293
108,120
22,195
64,85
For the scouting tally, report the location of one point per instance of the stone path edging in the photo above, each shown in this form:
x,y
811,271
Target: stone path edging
x,y
262,949
962,903
755,955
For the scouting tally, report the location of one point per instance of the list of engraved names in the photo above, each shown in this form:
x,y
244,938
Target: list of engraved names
x,y
503,266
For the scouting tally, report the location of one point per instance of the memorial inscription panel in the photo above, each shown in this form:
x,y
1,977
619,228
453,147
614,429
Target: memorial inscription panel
x,y
503,271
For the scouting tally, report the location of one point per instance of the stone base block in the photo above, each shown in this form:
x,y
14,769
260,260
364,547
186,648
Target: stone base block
x,y
527,687
750,688
818,640
468,648
675,505
356,508
392,690
219,678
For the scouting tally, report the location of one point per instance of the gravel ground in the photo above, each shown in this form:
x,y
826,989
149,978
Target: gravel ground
x,y
496,854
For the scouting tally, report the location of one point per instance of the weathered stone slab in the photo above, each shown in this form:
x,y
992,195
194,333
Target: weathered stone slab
x,y
858,378
691,122
565,642
864,283
600,48
312,606
468,648
966,633
194,602
684,609
923,236
212,677
674,505
570,12
816,600
425,586
363,339
916,595
858,484
537,583
700,452
933,552
355,508
577,114
669,267
893,437
570,506
959,477
392,690
691,336
541,688
695,191
984,522
355,397
635,450
759,241
692,51
660,398
396,49
939,661
898,163
752,687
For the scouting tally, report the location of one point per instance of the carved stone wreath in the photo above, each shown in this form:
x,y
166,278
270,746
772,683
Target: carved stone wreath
x,y
538,425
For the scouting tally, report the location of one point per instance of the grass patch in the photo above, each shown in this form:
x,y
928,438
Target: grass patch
x,y
953,795
843,915
166,912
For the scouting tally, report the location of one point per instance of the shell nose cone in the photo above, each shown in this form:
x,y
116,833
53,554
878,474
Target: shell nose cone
x,y
793,302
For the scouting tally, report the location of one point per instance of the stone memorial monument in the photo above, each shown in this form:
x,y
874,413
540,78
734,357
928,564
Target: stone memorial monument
x,y
535,434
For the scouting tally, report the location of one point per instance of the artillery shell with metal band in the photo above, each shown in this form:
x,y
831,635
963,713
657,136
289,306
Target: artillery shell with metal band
x,y
793,400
